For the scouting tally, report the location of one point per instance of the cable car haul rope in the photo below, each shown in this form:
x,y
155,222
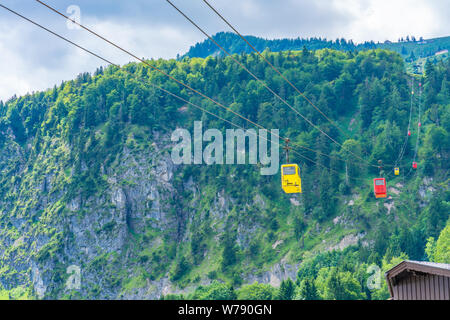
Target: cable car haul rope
x,y
290,172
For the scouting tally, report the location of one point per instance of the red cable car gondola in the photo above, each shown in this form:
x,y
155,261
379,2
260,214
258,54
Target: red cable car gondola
x,y
379,187
409,133
414,165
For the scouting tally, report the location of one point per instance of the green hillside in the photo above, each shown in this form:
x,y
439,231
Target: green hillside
x,y
86,180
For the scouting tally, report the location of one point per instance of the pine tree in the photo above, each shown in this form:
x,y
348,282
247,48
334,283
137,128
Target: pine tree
x,y
286,291
308,290
229,252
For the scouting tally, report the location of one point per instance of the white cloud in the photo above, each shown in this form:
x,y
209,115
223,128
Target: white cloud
x,y
150,41
381,20
31,59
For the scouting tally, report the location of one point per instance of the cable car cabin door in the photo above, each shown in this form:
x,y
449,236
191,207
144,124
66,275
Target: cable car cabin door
x,y
290,178
379,187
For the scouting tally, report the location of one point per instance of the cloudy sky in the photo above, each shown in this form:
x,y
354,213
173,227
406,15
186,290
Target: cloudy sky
x,y
31,59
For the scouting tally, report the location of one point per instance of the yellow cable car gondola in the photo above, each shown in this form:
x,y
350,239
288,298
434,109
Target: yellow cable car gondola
x,y
290,174
290,178
396,171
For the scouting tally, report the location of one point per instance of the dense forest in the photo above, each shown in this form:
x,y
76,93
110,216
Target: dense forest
x,y
415,51
86,179
408,47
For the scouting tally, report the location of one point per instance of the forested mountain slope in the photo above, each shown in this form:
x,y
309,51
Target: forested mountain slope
x,y
419,48
415,51
86,180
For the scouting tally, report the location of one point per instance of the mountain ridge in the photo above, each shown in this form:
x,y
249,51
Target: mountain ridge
x,y
415,51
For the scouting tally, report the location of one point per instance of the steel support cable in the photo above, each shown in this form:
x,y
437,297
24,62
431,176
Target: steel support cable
x,y
290,83
174,79
155,68
113,64
155,86
403,148
418,125
322,165
255,77
275,68
417,139
266,86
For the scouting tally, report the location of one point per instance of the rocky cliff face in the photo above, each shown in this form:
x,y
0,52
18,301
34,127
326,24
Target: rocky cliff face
x,y
56,229
118,241
119,227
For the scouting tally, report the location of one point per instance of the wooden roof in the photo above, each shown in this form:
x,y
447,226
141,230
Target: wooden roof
x,y
416,268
